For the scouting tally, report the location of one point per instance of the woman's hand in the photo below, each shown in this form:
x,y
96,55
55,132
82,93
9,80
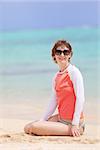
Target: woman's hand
x,y
75,131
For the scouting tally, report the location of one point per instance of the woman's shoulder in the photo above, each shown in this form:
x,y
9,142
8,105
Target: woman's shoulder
x,y
74,70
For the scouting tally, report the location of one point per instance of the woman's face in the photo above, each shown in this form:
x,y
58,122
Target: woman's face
x,y
62,54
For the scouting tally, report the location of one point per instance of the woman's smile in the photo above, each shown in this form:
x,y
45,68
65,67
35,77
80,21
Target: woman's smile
x,y
62,59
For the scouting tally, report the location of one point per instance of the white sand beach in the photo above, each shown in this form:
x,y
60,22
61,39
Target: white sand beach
x,y
12,136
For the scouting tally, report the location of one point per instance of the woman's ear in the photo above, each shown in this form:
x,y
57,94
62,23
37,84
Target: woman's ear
x,y
54,58
70,55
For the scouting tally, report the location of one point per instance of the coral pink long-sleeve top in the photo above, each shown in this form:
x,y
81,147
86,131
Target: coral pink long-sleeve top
x,y
68,95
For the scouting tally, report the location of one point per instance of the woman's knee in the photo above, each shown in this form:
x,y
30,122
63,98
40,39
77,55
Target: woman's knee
x,y
27,128
30,128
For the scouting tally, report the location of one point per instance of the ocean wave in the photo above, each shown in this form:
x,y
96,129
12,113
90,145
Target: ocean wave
x,y
48,36
27,71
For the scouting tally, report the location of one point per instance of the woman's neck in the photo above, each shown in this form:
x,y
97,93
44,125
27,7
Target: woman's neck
x,y
63,66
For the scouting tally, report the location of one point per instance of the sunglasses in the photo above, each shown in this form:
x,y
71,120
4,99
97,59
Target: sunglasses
x,y
59,52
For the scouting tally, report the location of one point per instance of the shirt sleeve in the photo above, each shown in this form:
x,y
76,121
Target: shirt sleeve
x,y
51,105
77,80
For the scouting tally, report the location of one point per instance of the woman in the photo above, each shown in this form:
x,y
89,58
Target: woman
x,y
68,98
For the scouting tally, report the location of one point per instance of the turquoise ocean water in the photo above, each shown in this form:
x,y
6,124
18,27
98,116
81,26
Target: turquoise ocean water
x,y
26,66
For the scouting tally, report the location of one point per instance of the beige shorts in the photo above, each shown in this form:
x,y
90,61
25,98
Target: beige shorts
x,y
81,124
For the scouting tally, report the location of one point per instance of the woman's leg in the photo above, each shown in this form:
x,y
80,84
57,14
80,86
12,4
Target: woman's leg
x,y
53,118
50,127
28,126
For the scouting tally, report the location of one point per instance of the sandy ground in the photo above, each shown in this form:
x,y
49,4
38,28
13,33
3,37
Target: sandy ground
x,y
12,136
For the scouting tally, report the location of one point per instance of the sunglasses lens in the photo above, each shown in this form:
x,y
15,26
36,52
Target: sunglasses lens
x,y
58,52
65,52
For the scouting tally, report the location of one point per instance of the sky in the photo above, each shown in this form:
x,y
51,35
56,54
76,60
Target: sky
x,y
31,14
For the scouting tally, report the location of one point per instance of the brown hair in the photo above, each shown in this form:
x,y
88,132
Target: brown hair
x,y
60,43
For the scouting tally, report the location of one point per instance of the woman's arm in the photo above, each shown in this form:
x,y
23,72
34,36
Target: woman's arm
x,y
52,103
77,80
50,108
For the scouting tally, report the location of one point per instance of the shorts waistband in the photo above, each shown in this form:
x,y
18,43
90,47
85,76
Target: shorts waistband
x,y
69,122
